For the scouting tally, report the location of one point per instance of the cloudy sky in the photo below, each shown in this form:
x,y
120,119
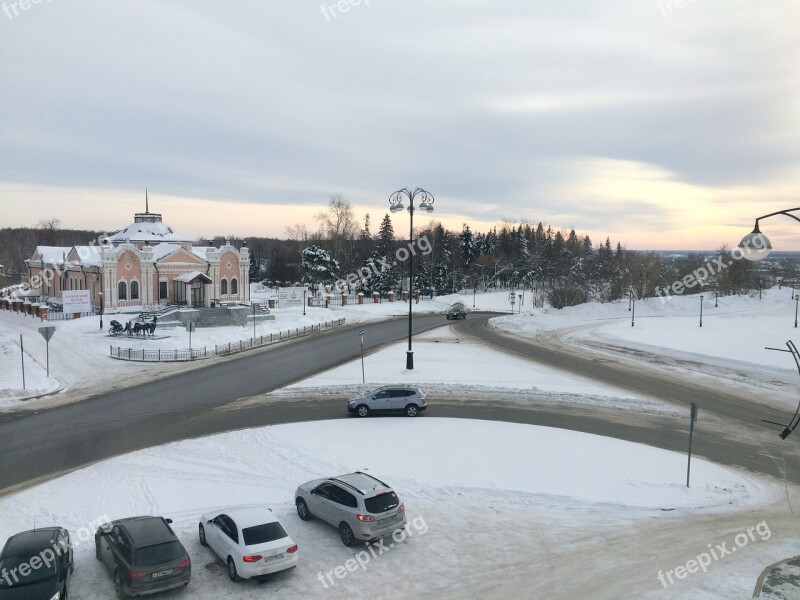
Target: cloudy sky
x,y
663,124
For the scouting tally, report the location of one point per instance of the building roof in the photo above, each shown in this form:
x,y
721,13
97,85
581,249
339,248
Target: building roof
x,y
149,232
53,254
164,249
89,256
194,275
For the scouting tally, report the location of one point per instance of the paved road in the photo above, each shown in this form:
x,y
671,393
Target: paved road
x,y
52,441
191,404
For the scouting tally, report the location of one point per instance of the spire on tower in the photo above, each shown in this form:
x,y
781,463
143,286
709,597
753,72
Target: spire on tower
x,y
146,202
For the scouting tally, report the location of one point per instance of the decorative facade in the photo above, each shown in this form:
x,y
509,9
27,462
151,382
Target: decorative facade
x,y
145,264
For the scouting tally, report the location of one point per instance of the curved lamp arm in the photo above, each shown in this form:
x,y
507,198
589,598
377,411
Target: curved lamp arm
x,y
755,245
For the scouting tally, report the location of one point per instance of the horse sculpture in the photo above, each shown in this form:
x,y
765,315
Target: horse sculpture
x,y
146,328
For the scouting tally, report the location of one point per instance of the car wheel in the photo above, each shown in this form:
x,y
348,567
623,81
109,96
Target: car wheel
x,y
362,410
118,586
232,570
346,534
202,533
302,510
412,410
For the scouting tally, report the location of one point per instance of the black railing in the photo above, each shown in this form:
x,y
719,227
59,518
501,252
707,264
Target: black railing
x,y
143,355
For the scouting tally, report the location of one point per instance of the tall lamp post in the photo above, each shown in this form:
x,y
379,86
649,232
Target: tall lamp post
x,y
396,205
100,294
701,310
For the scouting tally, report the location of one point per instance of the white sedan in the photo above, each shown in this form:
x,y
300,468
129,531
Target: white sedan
x,y
249,539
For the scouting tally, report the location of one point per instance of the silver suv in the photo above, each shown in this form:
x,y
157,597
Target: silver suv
x,y
406,399
361,506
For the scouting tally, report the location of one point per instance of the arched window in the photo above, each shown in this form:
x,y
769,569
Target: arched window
x,y
122,290
134,290
234,286
223,287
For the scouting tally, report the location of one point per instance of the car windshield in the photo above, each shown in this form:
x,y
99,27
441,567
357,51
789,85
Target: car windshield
x,y
19,571
261,534
158,553
381,503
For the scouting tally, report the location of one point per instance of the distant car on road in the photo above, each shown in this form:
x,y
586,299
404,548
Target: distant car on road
x,y
250,540
143,556
406,399
36,565
362,507
457,311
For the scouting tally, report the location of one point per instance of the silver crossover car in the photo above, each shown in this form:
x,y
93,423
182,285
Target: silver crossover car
x,y
405,399
360,506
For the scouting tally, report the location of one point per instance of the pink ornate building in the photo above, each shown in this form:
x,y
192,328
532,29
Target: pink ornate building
x,y
145,264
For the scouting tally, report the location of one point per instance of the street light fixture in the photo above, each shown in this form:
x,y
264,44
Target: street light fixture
x,y
396,205
756,246
796,304
633,308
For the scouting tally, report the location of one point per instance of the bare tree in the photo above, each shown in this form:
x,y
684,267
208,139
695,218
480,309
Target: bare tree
x,y
339,222
298,233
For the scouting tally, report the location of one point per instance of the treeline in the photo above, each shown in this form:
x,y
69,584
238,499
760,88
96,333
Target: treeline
x,y
566,268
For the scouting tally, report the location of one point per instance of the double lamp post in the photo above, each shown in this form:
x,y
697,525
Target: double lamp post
x,y
396,205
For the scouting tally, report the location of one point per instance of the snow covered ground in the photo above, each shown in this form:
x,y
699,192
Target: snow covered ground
x,y
506,519
729,348
447,364
495,509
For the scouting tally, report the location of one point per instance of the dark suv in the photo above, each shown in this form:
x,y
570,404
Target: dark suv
x,y
143,555
457,311
36,565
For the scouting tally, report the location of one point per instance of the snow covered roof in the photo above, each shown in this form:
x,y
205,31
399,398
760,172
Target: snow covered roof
x,y
202,251
53,254
163,249
190,277
89,256
148,232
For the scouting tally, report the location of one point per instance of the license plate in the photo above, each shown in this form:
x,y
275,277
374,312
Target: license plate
x,y
273,557
162,573
386,521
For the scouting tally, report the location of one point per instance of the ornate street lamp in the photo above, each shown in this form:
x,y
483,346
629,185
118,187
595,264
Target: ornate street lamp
x,y
396,205
755,245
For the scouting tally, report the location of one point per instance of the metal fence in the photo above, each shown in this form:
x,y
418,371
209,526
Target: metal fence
x,y
158,355
273,338
221,349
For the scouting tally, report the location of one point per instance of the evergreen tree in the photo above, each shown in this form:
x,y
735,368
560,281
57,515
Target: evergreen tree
x,y
467,246
318,266
384,274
